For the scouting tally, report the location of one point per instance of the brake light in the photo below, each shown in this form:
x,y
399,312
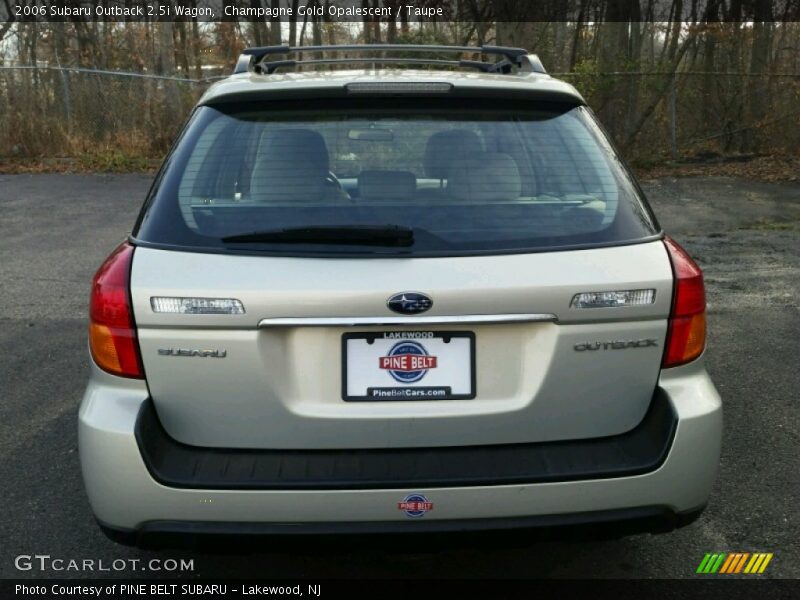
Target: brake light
x,y
686,335
112,334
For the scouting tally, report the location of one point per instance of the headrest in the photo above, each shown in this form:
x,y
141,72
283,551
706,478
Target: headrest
x,y
290,164
446,146
485,177
387,185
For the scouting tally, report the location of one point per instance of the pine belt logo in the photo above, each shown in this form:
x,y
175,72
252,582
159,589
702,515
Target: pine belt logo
x,y
732,563
407,362
415,505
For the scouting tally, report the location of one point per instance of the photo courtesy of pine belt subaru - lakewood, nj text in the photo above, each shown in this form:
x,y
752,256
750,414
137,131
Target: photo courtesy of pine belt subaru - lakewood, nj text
x,y
396,300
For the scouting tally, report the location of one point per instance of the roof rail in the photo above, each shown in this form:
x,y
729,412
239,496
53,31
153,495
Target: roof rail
x,y
253,59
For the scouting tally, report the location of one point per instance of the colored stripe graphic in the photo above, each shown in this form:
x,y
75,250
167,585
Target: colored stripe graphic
x,y
749,566
757,563
717,565
728,564
741,562
703,563
711,563
735,562
764,564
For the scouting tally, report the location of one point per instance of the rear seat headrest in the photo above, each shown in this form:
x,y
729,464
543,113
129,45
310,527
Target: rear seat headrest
x,y
446,146
387,185
290,164
485,176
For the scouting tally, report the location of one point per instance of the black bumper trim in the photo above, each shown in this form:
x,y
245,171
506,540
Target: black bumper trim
x,y
613,523
640,450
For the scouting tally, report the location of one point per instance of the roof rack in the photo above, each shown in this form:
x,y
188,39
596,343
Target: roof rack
x,y
253,59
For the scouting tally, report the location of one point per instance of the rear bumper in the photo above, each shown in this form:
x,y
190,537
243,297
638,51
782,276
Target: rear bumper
x,y
125,494
177,465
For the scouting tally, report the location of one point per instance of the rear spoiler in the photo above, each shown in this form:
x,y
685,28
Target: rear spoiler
x,y
401,89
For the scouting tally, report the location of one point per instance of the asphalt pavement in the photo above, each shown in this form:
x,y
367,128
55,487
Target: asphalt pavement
x,y
55,231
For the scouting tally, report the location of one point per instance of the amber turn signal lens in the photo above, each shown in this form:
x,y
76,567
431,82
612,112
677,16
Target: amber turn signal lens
x,y
101,343
696,341
687,339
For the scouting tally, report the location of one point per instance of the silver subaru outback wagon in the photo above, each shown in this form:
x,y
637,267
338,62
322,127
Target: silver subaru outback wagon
x,y
390,300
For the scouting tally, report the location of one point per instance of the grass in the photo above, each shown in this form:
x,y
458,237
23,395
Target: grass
x,y
113,161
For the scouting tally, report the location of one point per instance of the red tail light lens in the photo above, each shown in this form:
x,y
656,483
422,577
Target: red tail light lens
x,y
686,336
112,335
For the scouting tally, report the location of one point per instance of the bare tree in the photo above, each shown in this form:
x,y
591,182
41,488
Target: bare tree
x,y
275,24
293,23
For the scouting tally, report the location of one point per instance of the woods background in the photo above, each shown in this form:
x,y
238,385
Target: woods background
x,y
678,79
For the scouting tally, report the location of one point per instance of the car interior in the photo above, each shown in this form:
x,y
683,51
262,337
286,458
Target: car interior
x,y
301,170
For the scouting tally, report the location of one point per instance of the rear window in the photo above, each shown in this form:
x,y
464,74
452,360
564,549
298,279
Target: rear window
x,y
454,177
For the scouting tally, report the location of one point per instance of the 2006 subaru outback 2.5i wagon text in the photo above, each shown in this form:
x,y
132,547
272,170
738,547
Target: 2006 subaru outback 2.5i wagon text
x,y
396,300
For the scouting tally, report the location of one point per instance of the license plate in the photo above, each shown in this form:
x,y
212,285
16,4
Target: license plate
x,y
408,365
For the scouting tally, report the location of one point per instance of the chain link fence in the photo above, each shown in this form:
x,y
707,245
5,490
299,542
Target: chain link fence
x,y
48,111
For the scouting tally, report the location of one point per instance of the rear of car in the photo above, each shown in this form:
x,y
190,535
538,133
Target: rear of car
x,y
418,301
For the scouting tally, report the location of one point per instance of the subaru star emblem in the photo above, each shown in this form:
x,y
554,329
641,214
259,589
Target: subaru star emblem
x,y
409,303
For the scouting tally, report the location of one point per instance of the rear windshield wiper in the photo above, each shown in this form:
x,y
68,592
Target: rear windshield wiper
x,y
356,235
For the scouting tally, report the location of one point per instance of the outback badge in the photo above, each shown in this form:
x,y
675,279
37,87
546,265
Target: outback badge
x,y
615,345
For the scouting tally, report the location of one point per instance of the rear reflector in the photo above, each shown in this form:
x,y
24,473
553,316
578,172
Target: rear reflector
x,y
686,335
613,299
112,334
197,306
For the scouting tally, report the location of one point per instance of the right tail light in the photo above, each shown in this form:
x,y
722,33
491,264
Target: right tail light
x,y
686,334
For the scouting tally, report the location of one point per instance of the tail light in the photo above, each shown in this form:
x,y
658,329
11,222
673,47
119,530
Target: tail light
x,y
112,334
686,336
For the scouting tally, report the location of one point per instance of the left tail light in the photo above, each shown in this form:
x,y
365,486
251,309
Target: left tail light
x,y
112,333
686,334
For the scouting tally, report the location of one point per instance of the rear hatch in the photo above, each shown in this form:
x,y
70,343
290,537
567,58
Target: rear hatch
x,y
401,276
282,386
